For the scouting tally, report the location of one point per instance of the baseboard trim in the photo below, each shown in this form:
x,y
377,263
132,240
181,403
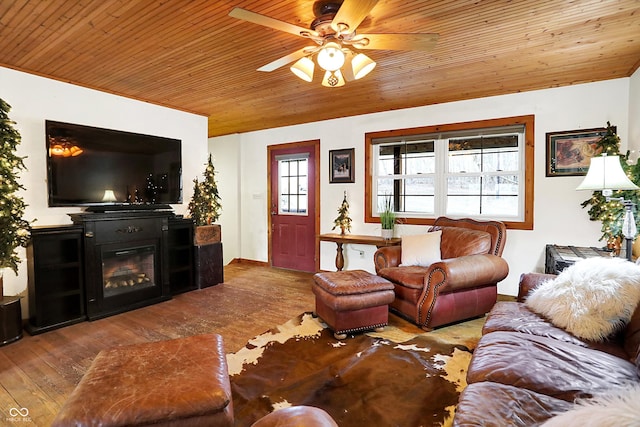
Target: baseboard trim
x,y
249,262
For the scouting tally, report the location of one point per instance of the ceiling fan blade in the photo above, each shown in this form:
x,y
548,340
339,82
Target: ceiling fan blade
x,y
266,21
424,42
351,14
285,60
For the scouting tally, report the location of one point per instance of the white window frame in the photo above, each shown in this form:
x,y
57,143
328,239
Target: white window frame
x,y
520,126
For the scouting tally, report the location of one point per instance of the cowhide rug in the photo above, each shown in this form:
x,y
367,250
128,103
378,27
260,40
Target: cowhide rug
x,y
393,378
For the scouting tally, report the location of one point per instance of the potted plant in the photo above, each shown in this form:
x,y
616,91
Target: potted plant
x,y
205,207
15,229
387,218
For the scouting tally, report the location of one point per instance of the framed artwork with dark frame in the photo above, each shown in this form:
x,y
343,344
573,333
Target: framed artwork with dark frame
x,y
341,166
569,152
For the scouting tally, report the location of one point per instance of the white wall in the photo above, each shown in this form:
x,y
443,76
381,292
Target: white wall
x,y
634,113
34,99
558,217
226,161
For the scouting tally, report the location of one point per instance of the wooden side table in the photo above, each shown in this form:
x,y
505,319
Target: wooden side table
x,y
341,239
10,320
557,258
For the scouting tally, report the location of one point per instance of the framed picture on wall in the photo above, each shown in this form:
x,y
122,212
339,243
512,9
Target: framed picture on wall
x,y
569,152
341,166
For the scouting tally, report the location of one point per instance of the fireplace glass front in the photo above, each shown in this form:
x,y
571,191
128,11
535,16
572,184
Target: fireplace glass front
x,y
128,270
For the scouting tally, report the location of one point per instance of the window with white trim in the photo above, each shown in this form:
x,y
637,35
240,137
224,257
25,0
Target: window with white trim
x,y
471,172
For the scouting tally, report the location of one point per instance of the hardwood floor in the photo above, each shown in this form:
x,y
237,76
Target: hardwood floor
x,y
38,372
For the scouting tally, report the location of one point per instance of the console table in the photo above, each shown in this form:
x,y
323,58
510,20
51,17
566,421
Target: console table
x,y
557,258
341,239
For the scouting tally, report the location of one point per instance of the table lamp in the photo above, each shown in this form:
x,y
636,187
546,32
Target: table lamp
x,y
605,174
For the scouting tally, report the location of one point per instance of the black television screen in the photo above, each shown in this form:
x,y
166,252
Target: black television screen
x,y
89,166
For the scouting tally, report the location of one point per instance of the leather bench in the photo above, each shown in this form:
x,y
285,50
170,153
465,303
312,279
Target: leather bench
x,y
352,301
176,382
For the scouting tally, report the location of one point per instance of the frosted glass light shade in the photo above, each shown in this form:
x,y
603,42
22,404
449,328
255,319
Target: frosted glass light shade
x,y
331,57
75,150
362,65
333,79
303,68
56,150
605,173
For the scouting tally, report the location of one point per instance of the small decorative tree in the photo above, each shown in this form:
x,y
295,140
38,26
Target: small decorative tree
x,y
611,213
343,221
205,205
196,205
15,230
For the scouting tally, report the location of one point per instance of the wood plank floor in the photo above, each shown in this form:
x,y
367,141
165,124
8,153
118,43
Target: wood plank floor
x,y
38,372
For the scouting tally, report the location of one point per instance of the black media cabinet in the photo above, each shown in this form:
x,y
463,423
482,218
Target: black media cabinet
x,y
56,278
76,273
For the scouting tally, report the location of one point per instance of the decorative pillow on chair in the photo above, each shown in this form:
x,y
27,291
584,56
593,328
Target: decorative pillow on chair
x,y
591,299
421,249
619,408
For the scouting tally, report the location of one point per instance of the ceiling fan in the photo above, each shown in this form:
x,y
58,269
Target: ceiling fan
x,y
334,34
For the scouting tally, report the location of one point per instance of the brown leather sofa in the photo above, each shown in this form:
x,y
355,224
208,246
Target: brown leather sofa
x,y
461,286
525,370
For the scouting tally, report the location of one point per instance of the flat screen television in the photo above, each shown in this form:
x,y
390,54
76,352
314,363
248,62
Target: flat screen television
x,y
95,167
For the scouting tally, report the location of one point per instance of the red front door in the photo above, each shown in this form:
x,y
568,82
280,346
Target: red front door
x,y
294,214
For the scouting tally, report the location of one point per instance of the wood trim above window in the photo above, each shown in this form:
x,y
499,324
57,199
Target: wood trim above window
x,y
528,121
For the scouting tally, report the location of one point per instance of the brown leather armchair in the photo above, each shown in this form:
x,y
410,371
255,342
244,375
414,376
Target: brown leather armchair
x,y
461,286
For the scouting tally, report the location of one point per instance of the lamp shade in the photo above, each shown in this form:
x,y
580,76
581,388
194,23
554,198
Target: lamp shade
x,y
362,65
74,150
605,173
331,57
303,68
109,196
56,150
333,79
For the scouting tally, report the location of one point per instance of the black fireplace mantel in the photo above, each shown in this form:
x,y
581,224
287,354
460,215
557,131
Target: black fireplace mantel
x,y
66,263
120,233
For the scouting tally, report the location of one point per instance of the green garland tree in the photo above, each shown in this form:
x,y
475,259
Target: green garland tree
x,y
343,221
196,206
611,213
205,205
15,229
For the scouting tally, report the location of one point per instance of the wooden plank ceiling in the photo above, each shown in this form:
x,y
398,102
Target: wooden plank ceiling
x,y
190,55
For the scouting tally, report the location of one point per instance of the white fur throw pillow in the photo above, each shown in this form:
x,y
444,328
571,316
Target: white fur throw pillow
x,y
421,249
619,408
591,299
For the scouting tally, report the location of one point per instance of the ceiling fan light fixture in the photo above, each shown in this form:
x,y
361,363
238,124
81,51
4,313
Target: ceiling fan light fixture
x,y
362,65
333,79
331,57
62,146
334,33
303,68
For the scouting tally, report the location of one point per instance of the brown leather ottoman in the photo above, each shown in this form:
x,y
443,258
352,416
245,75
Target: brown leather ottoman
x,y
352,301
181,382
